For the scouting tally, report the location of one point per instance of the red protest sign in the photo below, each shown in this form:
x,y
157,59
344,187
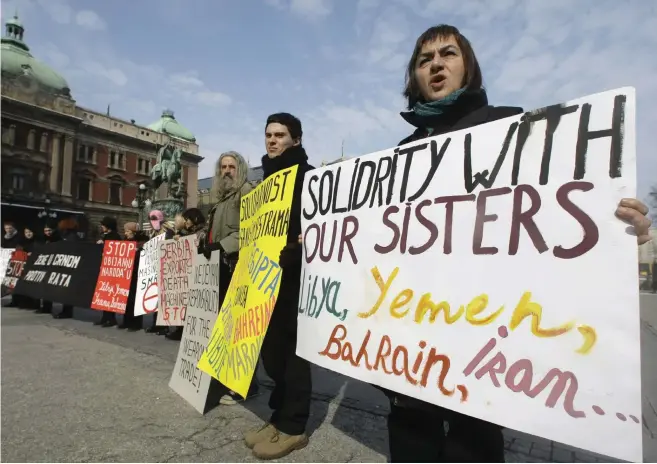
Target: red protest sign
x,y
14,270
113,284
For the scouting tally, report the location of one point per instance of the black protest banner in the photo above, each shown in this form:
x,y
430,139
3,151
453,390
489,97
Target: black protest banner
x,y
63,272
14,271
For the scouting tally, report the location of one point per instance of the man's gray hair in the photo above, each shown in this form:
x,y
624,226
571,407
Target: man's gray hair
x,y
218,191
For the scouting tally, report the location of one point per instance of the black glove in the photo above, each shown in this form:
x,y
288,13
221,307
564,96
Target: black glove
x,y
290,255
208,248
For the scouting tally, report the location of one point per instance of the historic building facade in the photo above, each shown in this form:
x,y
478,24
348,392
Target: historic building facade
x,y
62,159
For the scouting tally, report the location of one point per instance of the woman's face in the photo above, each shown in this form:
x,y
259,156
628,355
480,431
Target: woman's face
x,y
188,224
439,69
129,234
28,234
47,231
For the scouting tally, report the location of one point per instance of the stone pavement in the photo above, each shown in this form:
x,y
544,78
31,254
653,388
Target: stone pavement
x,y
75,392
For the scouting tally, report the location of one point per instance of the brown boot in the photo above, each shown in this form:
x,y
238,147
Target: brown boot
x,y
266,432
279,445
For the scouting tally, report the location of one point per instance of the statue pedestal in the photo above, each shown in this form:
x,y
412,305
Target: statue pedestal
x,y
169,206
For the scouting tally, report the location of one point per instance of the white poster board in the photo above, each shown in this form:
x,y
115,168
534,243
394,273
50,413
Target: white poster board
x,y
439,275
173,279
202,308
146,298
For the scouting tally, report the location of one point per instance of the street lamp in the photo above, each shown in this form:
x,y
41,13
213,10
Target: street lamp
x,y
45,212
141,202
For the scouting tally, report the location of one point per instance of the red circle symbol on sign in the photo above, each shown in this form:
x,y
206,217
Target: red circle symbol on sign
x,y
149,302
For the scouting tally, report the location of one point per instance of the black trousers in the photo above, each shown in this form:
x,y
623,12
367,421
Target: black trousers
x,y
291,396
418,435
108,316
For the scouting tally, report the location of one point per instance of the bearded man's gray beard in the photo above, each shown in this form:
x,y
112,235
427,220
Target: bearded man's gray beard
x,y
226,183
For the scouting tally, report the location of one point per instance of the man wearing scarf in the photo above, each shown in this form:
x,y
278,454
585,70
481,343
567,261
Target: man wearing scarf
x,y
228,187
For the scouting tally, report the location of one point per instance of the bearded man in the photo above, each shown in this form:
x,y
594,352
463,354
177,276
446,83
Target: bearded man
x,y
223,229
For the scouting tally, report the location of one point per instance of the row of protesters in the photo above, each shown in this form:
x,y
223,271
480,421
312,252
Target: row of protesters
x,y
444,92
229,185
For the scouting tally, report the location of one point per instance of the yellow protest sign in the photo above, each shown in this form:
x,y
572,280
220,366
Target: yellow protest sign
x,y
234,347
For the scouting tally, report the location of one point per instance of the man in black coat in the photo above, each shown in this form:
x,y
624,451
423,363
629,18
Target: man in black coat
x,y
290,399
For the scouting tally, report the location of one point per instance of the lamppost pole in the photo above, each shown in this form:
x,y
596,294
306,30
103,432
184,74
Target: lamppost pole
x,y
45,213
141,202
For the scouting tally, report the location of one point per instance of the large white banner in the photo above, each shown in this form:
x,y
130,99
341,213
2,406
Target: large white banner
x,y
146,298
484,271
202,308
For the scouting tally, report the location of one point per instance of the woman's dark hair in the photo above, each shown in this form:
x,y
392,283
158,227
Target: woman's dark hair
x,y
290,121
473,78
68,224
195,215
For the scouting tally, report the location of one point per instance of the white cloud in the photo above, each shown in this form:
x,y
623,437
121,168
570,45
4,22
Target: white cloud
x,y
90,20
308,9
311,9
58,10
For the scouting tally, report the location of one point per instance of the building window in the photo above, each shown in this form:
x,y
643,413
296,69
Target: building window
x,y
84,189
115,193
143,166
116,160
86,154
18,182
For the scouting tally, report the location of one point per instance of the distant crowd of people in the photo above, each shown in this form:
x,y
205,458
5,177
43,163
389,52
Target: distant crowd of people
x,y
444,92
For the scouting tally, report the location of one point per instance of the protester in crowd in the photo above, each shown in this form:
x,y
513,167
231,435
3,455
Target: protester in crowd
x,y
190,221
68,229
50,235
108,228
11,237
26,243
444,93
290,399
158,227
228,186
131,322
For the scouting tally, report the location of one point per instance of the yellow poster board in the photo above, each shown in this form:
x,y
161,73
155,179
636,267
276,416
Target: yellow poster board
x,y
232,353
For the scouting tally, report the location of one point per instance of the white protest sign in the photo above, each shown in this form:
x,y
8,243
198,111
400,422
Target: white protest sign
x,y
484,271
146,297
173,279
202,308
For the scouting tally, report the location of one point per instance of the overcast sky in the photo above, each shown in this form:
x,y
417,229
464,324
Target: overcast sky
x,y
224,65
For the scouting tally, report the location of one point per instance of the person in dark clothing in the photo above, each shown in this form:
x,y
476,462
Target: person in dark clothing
x,y
444,93
108,229
131,322
50,235
290,398
26,244
11,238
69,231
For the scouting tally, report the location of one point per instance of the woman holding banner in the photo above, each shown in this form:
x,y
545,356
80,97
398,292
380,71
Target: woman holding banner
x,y
131,322
50,235
158,227
108,227
444,92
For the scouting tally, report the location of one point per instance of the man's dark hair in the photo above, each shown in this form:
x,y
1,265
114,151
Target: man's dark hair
x,y
290,121
473,78
195,215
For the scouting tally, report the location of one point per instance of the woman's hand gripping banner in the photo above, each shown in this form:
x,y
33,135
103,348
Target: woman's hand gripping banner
x,y
232,353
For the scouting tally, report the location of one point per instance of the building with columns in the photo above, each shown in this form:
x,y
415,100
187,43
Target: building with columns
x,y
59,159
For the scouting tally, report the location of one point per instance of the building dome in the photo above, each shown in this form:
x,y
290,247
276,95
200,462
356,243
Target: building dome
x,y
167,124
18,64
